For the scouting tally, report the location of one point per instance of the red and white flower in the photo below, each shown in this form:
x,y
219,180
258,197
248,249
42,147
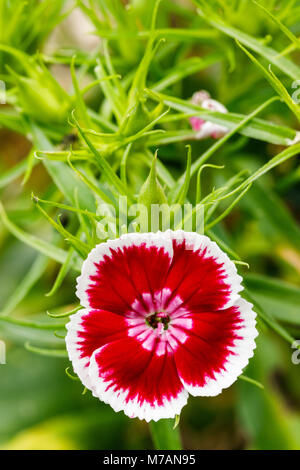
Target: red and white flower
x,y
203,128
162,318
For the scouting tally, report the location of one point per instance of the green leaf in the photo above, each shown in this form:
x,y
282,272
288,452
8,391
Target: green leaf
x,y
274,217
109,91
64,314
29,167
66,207
228,209
13,173
275,161
123,164
245,378
266,419
276,84
12,120
187,177
268,319
103,164
32,324
46,352
61,174
283,28
47,249
202,167
277,298
164,436
64,269
79,101
82,248
91,185
255,128
239,127
139,81
271,55
174,34
34,274
185,68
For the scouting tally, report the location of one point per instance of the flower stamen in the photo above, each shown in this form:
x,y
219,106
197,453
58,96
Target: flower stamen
x,y
157,318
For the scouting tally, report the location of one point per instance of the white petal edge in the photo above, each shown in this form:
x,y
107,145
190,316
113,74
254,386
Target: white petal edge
x,y
133,409
196,241
242,351
158,239
164,240
80,365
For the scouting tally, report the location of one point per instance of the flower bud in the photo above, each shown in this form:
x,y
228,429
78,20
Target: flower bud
x,y
41,97
204,128
152,194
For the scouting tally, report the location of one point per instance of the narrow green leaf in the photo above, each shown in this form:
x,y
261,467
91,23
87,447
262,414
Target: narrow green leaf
x,y
64,269
187,177
64,314
31,324
123,165
72,377
61,174
33,275
186,68
47,249
274,217
81,247
13,173
89,183
46,352
79,101
66,207
276,297
275,83
198,190
164,436
271,55
251,381
203,158
228,209
245,125
102,163
279,23
275,161
268,319
30,163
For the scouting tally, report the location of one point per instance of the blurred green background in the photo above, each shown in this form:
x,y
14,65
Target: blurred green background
x,y
41,407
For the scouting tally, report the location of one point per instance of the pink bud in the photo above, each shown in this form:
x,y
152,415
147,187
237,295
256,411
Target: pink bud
x,y
203,128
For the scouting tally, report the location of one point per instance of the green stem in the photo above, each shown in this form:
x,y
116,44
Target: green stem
x,y
164,436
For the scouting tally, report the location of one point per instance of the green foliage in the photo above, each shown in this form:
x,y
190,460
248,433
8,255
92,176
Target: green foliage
x,y
93,136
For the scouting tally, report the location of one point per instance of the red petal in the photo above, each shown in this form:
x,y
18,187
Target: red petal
x,y
137,381
88,330
201,274
130,267
217,348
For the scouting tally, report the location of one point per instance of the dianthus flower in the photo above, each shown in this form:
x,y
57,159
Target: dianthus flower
x,y
203,128
162,319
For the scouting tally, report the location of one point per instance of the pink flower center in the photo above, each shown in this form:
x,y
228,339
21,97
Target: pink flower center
x,y
155,319
159,321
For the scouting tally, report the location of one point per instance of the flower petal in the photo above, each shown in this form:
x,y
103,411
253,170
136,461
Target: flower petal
x,y
218,347
164,318
117,272
207,128
201,274
141,383
88,330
